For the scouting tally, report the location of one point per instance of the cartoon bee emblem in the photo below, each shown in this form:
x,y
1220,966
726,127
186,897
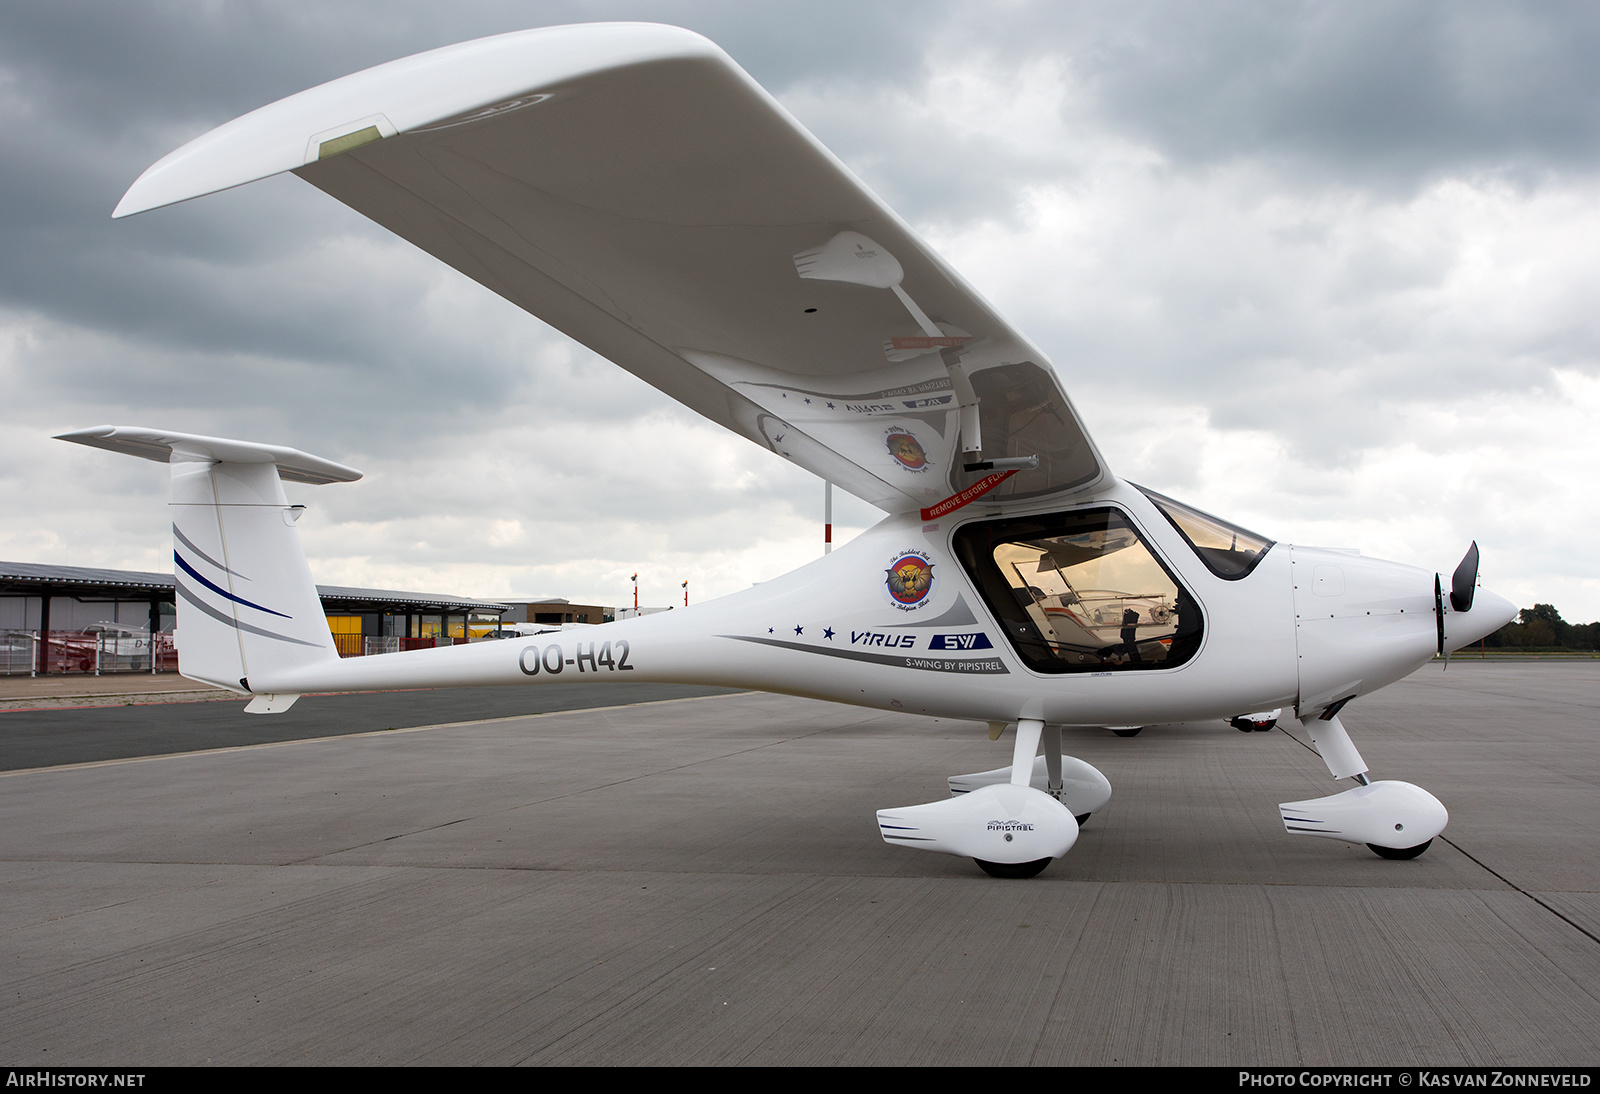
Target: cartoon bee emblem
x,y
909,580
906,450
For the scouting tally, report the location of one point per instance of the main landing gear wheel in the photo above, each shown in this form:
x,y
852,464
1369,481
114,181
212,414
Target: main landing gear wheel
x,y
1128,731
1013,869
1399,852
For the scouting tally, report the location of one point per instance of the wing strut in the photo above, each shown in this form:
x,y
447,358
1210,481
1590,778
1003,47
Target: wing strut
x,y
853,258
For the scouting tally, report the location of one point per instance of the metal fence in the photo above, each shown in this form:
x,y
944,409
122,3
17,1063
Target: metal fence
x,y
29,653
355,645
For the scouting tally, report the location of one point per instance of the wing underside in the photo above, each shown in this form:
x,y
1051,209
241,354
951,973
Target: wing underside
x,y
634,188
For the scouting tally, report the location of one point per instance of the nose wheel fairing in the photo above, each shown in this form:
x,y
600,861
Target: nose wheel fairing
x,y
1386,816
1395,819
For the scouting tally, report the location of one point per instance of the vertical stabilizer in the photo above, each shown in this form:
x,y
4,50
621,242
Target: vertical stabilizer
x,y
246,602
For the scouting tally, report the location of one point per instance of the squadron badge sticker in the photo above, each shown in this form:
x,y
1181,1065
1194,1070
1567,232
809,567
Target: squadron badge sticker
x,y
906,449
909,581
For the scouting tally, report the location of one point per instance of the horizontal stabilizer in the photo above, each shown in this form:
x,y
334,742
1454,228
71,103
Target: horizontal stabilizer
x,y
159,444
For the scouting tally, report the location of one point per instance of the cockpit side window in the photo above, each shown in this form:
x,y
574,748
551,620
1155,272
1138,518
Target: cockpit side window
x,y
1081,592
1228,551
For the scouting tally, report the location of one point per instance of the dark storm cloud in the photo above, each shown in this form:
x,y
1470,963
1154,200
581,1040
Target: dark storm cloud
x,y
1367,94
93,93
1381,96
1369,91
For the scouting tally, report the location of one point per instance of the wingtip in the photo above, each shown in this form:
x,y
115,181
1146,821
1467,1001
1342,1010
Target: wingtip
x,y
138,200
80,435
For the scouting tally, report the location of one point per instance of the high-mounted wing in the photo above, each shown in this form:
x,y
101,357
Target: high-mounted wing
x,y
634,188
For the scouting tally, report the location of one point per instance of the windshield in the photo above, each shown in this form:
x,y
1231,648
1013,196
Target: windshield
x,y
1228,551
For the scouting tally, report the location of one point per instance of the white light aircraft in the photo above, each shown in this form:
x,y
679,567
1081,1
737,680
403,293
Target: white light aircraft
x,y
632,186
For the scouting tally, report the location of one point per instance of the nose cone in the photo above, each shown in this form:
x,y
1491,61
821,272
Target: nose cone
x,y
1489,613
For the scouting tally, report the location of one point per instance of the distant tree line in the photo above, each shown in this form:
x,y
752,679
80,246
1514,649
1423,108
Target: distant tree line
x,y
1542,625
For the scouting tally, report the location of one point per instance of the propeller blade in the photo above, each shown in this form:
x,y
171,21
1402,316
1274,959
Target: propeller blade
x,y
1464,582
1438,610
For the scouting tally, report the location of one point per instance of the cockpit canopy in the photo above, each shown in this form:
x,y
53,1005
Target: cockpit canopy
x,y
1080,591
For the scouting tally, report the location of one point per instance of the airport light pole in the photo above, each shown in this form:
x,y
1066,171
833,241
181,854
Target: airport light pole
x,y
827,517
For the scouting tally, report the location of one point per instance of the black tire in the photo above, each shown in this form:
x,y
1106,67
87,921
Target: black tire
x,y
1132,731
1269,727
1013,869
1083,820
1399,852
1243,725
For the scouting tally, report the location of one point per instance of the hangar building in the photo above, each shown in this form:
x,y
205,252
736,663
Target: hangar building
x,y
73,605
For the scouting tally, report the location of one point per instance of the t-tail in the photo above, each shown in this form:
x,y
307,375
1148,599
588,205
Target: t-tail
x,y
245,599
250,618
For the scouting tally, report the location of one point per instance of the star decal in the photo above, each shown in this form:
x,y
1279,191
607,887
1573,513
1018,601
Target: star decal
x,y
799,630
830,406
769,630
828,633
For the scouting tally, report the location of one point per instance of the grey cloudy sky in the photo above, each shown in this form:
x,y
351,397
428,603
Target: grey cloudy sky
x,y
1326,269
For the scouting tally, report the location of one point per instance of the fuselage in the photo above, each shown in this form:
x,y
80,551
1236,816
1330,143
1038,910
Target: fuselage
x,y
908,617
